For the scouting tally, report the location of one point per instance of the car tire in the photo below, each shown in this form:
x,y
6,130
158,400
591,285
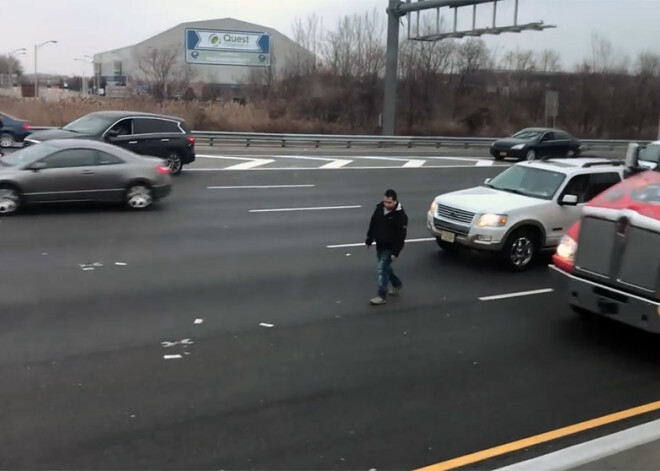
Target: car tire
x,y
446,246
572,153
521,249
10,200
174,162
139,196
7,140
530,155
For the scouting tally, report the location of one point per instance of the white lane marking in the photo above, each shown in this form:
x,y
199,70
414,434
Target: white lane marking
x,y
484,163
298,169
516,295
337,164
257,187
263,324
121,264
199,321
408,241
414,163
251,164
320,208
171,357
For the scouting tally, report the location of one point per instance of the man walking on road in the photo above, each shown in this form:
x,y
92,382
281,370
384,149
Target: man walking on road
x,y
388,228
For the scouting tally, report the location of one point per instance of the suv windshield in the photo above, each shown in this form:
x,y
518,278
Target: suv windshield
x,y
526,134
90,124
528,181
27,155
650,154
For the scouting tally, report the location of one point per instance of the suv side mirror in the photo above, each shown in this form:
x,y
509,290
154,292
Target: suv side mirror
x,y
35,167
569,200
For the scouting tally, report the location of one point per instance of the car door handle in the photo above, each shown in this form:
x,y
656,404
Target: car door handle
x,y
87,172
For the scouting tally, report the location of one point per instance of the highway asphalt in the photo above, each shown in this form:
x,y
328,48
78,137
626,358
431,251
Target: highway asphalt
x,y
215,333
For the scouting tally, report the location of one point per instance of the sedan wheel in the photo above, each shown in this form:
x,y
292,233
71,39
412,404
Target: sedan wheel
x,y
531,155
139,197
9,201
7,140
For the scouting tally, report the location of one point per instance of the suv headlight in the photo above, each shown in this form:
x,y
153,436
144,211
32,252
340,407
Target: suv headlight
x,y
567,248
518,147
492,220
433,208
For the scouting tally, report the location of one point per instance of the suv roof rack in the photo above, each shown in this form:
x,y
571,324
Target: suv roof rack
x,y
613,163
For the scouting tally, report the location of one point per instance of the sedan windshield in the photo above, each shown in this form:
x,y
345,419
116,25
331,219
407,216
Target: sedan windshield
x,y
526,134
90,124
528,181
27,155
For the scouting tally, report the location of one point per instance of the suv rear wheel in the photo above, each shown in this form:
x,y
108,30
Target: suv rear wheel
x,y
174,162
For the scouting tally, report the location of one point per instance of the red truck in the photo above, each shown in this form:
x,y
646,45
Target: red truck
x,y
608,263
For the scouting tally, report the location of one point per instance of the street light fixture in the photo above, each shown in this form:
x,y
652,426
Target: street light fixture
x,y
10,63
36,77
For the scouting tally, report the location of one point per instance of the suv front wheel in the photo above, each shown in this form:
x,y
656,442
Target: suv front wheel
x,y
521,249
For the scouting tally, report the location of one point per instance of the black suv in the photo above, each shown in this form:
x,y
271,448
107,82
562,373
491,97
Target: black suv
x,y
149,134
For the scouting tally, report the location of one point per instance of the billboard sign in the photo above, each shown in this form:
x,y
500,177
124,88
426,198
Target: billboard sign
x,y
219,47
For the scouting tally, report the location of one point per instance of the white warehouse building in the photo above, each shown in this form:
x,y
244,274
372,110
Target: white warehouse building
x,y
224,51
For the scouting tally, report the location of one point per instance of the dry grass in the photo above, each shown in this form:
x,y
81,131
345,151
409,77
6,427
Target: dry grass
x,y
200,116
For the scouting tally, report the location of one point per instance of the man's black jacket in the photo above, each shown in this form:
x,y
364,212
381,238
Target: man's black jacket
x,y
388,230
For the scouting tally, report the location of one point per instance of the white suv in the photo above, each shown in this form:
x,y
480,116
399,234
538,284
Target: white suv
x,y
524,210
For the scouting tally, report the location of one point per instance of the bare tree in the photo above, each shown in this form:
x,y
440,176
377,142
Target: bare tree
x,y
469,57
157,67
309,35
549,61
180,79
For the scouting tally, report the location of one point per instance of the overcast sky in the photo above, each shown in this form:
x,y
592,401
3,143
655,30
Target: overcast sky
x,y
86,27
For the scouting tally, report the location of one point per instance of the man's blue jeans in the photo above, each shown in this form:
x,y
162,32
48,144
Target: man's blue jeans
x,y
385,273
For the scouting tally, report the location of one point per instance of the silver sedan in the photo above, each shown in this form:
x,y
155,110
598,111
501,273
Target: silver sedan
x,y
73,170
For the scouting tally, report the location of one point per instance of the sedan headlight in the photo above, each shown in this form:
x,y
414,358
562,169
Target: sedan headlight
x,y
492,220
518,147
567,248
434,207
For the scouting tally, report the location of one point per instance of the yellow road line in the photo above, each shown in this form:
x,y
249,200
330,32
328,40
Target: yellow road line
x,y
541,438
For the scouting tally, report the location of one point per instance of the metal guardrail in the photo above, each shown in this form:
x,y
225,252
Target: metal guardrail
x,y
247,139
319,140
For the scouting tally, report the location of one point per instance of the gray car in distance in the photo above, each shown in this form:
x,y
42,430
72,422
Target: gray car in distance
x,y
75,170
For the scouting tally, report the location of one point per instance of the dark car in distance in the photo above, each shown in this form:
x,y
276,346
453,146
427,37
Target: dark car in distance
x,y
166,137
13,130
536,143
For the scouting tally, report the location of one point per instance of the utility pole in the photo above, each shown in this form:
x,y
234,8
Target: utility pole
x,y
391,69
397,9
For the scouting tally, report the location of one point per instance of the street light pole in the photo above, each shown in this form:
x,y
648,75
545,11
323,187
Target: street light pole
x,y
10,64
36,77
96,75
84,84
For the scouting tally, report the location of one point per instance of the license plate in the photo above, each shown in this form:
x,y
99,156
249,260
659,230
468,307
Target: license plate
x,y
502,154
447,236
